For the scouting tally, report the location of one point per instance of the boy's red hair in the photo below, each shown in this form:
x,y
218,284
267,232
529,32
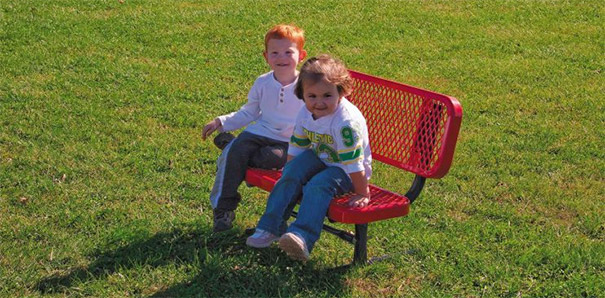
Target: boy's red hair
x,y
290,32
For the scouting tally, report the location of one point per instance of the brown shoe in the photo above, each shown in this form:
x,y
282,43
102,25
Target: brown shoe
x,y
223,220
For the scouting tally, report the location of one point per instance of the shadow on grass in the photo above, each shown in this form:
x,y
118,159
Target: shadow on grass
x,y
227,267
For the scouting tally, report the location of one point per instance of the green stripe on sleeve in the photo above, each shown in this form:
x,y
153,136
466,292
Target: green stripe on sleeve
x,y
300,142
351,155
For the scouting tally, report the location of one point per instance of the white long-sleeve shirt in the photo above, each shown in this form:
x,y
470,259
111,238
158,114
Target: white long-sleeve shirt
x,y
339,139
273,106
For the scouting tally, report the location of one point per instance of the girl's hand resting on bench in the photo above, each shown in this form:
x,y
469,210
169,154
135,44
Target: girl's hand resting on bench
x,y
361,190
358,200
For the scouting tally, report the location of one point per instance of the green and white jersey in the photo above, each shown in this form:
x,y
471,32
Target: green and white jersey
x,y
339,139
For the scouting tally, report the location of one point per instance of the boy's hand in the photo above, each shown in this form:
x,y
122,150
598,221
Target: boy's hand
x,y
210,127
359,200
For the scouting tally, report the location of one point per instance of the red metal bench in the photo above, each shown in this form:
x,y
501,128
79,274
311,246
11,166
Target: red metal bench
x,y
409,128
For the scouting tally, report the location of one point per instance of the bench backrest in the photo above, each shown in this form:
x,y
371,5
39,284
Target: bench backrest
x,y
409,128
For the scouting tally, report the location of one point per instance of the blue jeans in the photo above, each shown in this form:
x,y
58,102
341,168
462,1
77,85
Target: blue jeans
x,y
308,176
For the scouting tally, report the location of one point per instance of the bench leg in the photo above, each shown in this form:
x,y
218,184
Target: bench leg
x,y
360,256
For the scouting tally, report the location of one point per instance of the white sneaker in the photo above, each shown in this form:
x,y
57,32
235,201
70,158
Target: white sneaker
x,y
294,246
261,239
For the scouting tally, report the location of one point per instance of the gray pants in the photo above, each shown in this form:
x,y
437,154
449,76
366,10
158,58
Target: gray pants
x,y
247,150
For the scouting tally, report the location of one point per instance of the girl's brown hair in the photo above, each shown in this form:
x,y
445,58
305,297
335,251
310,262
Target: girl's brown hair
x,y
327,68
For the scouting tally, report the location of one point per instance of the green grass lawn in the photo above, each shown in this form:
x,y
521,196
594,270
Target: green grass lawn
x,y
104,178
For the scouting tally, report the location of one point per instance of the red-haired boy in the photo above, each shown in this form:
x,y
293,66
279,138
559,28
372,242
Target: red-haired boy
x,y
263,144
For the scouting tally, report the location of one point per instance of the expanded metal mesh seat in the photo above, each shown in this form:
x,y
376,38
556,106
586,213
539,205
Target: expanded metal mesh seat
x,y
384,204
